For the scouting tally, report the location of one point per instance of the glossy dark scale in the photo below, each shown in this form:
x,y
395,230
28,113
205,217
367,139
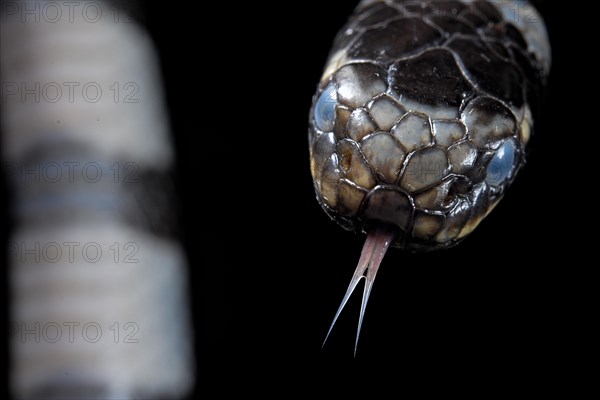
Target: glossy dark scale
x,y
422,116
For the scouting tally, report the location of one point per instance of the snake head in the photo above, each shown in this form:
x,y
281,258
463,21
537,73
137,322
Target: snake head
x,y
421,119
433,171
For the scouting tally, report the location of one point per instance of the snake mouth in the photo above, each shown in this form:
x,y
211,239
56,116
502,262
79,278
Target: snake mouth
x,y
416,227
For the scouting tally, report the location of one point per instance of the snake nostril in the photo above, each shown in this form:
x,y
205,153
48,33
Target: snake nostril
x,y
346,158
460,187
479,171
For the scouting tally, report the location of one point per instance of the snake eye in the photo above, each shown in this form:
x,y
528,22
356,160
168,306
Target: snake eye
x,y
325,109
501,166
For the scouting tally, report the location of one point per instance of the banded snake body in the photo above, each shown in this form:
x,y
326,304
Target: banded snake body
x,y
421,120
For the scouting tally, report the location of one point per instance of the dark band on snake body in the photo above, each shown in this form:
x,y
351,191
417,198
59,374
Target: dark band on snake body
x,y
421,120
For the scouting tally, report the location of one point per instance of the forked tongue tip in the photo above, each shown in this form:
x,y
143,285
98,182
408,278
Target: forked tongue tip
x,y
376,245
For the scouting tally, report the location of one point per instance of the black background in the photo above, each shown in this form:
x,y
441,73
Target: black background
x,y
268,276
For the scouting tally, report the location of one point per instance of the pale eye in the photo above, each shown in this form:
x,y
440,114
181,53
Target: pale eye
x,y
325,109
502,165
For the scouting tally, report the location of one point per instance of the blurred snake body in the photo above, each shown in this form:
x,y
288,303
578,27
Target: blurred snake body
x,y
422,118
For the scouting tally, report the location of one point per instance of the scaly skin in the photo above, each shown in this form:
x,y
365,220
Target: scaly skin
x,y
423,114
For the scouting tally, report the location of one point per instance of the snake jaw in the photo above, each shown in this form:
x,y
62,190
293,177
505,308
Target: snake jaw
x,y
376,245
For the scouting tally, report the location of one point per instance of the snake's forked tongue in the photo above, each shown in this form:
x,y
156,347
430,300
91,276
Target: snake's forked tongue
x,y
374,249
